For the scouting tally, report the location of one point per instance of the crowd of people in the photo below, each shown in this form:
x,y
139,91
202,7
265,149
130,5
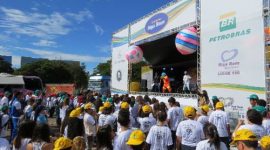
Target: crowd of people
x,y
122,122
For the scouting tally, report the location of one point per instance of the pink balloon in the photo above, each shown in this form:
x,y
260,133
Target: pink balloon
x,y
134,55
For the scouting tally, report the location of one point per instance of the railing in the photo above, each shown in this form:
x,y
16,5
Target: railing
x,y
165,94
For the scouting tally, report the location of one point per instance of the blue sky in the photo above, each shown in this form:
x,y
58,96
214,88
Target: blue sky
x,y
66,29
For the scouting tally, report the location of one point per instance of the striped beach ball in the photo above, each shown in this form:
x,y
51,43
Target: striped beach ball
x,y
187,41
134,54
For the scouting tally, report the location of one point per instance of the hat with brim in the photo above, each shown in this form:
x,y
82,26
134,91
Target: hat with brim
x,y
137,137
244,135
253,96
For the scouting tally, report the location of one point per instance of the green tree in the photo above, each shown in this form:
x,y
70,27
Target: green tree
x,y
137,71
103,68
5,66
56,72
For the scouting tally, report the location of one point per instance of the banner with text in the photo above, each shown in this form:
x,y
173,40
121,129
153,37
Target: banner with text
x,y
232,51
119,75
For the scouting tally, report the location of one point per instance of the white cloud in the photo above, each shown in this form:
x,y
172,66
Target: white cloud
x,y
46,26
81,15
46,43
52,55
99,30
3,51
104,48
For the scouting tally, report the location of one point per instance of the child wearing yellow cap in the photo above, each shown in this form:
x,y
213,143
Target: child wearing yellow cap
x,y
145,121
189,132
220,119
160,136
136,140
245,139
63,144
107,116
265,143
89,124
203,119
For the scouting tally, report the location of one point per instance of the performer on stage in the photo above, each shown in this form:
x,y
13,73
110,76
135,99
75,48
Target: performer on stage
x,y
166,83
186,82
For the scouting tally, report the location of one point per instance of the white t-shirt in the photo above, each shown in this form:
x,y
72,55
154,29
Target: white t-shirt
x,y
17,104
220,119
106,119
4,101
24,143
186,79
203,119
4,144
191,132
257,129
175,115
89,125
160,137
205,145
121,139
5,119
63,112
266,125
146,123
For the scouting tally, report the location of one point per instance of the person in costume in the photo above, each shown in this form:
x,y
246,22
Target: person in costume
x,y
166,83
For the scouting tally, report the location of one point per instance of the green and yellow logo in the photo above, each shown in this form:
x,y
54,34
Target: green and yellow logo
x,y
227,21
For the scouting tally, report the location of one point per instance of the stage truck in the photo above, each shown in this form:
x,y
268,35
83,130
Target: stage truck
x,y
99,83
232,61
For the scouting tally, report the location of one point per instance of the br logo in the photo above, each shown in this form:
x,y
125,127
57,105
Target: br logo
x,y
227,21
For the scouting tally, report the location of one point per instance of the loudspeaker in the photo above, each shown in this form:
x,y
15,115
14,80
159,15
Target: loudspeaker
x,y
144,85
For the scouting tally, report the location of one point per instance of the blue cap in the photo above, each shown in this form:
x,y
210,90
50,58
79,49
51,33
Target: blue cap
x,y
214,98
254,96
163,74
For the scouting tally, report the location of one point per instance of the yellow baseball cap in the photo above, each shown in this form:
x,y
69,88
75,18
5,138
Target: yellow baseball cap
x,y
205,108
62,143
146,109
88,106
101,108
265,142
76,112
124,105
137,137
244,135
189,111
219,105
107,105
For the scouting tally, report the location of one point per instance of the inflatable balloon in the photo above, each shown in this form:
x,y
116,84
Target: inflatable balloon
x,y
134,55
187,41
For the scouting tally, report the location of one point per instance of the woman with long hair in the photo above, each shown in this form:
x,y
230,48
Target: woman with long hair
x,y
212,139
24,136
105,136
41,138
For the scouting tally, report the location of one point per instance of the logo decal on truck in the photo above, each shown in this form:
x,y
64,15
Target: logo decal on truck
x,y
156,23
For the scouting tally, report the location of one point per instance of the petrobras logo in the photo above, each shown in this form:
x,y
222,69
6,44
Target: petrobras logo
x,y
156,23
228,28
227,21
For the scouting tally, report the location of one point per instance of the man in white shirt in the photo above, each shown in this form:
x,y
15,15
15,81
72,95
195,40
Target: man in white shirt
x,y
107,117
5,99
189,132
220,119
175,115
123,136
89,124
186,82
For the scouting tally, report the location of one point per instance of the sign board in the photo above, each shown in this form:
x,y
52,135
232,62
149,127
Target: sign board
x,y
57,88
180,13
119,75
232,52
